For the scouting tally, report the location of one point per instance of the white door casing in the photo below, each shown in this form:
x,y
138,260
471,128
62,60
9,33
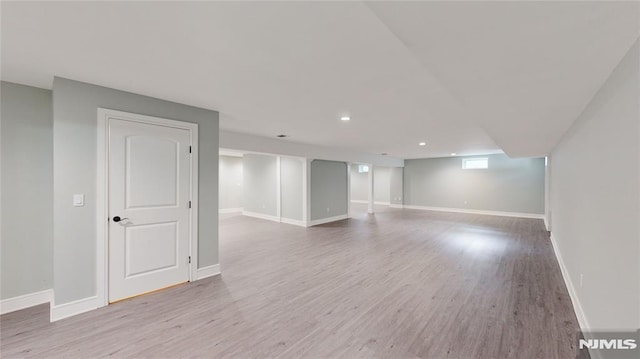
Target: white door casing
x,y
149,184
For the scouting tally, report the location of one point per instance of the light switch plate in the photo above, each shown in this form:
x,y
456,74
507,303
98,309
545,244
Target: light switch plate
x,y
78,200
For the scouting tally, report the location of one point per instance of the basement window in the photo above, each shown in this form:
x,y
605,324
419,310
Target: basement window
x,y
475,163
363,168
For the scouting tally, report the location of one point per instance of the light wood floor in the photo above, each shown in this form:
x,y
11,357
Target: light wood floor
x,y
400,284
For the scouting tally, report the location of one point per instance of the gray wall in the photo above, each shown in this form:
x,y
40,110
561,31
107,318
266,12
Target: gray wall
x,y
75,107
382,184
328,189
510,185
359,184
396,185
260,184
291,188
27,192
230,182
595,201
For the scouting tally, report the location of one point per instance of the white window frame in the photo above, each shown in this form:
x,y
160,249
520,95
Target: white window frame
x,y
475,159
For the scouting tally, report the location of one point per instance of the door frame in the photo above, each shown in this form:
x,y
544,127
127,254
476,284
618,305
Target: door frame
x,y
102,193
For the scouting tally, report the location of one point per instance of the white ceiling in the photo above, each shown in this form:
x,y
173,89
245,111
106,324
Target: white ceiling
x,y
470,77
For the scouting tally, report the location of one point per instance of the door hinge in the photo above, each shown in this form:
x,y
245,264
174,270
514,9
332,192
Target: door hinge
x,y
189,204
189,259
189,149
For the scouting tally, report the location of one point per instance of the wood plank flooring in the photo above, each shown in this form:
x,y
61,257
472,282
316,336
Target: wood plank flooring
x,y
399,284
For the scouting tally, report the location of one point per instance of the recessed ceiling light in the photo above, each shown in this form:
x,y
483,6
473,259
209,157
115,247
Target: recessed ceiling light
x,y
345,118
453,153
282,136
422,144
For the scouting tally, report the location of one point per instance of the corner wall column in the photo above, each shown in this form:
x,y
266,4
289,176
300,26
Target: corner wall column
x,y
370,191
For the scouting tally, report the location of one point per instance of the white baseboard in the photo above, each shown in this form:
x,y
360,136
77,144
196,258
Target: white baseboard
x,y
367,202
80,306
25,301
396,205
477,211
295,222
577,308
261,216
546,223
76,307
208,271
230,210
327,220
582,320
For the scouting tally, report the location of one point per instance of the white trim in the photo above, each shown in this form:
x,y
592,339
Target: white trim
x,y
230,153
370,190
295,222
471,159
577,308
278,187
230,210
582,320
367,202
195,195
25,301
207,272
268,217
327,220
477,211
348,190
102,226
74,308
546,223
306,190
393,205
102,293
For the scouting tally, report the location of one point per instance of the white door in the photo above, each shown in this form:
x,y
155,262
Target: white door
x,y
149,189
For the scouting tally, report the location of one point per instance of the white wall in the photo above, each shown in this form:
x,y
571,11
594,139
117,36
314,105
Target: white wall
x,y
273,195
260,186
359,190
382,185
595,203
230,183
26,239
359,186
291,177
396,185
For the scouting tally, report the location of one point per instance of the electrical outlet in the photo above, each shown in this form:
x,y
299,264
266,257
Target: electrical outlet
x,y
78,200
328,210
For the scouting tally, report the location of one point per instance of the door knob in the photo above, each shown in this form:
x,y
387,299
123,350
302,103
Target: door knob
x,y
118,219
